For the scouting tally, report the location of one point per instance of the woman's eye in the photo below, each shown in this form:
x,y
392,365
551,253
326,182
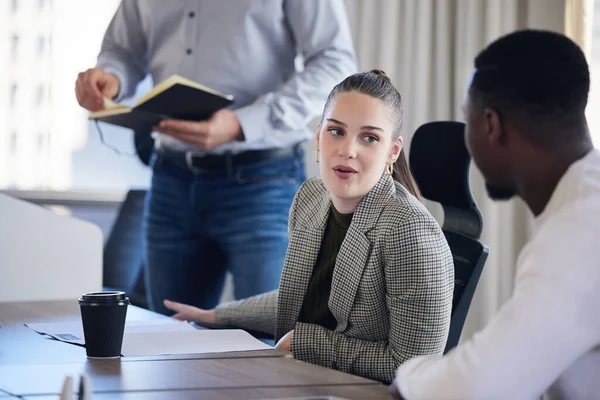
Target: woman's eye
x,y
335,131
370,139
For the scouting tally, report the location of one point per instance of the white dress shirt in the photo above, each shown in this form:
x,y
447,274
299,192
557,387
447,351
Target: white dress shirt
x,y
546,338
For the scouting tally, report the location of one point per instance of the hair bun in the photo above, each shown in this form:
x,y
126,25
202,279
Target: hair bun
x,y
381,74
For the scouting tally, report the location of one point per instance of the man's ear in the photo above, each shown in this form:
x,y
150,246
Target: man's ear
x,y
396,149
494,128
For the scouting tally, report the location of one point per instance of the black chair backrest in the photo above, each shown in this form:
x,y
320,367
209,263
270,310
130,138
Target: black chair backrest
x,y
123,251
143,144
439,162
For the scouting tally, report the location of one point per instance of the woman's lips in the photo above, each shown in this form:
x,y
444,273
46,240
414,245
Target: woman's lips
x,y
344,171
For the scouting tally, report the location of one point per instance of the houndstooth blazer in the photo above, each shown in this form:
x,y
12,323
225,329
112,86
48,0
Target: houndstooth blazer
x,y
391,292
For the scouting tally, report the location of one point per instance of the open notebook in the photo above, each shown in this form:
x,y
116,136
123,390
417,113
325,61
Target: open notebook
x,y
174,98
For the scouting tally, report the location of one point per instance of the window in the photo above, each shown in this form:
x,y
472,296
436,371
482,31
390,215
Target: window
x,y
41,45
41,141
25,92
14,47
39,95
594,60
13,143
13,94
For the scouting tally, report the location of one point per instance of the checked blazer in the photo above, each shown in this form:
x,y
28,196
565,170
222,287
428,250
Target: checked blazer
x,y
391,292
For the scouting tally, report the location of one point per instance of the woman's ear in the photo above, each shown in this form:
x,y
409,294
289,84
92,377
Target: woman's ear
x,y
396,149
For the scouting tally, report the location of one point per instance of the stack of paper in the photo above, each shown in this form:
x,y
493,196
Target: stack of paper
x,y
161,337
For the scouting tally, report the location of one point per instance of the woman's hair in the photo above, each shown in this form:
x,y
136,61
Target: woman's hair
x,y
378,85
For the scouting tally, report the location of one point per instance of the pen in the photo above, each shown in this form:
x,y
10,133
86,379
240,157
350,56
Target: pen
x,y
67,389
84,392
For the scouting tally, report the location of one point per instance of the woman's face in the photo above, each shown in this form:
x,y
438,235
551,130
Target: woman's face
x,y
355,143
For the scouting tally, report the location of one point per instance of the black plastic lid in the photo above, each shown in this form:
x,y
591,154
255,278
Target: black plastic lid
x,y
103,297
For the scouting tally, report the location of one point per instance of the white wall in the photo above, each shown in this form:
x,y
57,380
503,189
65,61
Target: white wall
x,y
594,60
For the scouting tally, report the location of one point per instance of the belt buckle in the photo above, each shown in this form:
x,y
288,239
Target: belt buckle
x,y
189,160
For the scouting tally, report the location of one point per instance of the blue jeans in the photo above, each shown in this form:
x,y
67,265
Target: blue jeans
x,y
198,225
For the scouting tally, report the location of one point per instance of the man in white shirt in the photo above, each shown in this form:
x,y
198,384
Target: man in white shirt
x,y
527,133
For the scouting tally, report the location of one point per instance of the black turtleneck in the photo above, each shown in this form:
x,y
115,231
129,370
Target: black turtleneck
x,y
315,309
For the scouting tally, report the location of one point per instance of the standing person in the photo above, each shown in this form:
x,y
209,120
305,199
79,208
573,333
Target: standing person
x,y
222,188
527,132
368,277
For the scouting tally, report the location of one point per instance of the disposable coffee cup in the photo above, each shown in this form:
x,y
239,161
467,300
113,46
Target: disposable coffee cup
x,y
103,317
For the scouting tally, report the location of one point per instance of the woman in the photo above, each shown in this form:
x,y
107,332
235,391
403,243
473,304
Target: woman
x,y
368,276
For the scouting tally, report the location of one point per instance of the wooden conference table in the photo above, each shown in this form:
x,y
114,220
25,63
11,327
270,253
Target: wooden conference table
x,y
34,367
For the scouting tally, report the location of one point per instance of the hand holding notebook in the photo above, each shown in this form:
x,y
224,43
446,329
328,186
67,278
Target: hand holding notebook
x,y
94,84
174,98
223,127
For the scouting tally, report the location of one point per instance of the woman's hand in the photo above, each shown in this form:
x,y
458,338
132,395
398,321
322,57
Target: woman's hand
x,y
185,312
285,343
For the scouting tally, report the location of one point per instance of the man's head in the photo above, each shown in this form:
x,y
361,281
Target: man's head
x,y
528,93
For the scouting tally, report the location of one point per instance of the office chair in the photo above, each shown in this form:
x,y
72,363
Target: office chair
x,y
439,162
123,252
143,143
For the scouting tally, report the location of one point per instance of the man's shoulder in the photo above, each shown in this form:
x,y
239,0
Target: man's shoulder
x,y
568,241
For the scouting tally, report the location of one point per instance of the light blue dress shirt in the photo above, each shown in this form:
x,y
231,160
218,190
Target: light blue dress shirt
x,y
246,48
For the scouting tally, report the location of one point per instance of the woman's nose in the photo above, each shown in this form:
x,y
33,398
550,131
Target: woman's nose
x,y
347,149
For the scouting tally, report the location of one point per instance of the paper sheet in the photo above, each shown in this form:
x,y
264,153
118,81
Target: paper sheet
x,y
198,342
161,337
72,332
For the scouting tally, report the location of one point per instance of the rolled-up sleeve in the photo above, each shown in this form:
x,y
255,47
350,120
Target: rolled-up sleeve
x,y
320,29
124,49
